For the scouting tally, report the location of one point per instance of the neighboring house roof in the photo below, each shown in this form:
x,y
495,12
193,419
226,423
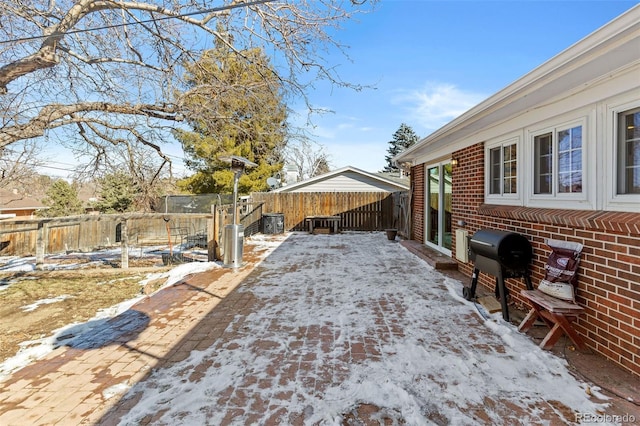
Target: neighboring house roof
x,y
11,201
347,179
612,49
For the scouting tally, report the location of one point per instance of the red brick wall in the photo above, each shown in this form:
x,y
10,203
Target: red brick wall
x,y
417,201
609,273
468,188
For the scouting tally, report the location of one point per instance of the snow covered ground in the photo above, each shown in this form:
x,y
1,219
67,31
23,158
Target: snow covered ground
x,y
432,358
81,260
36,349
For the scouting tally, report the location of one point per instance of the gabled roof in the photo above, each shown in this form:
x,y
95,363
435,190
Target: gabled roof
x,y
614,48
341,179
11,201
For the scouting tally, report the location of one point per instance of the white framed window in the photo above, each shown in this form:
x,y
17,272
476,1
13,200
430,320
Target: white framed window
x,y
622,154
503,173
628,147
502,169
558,161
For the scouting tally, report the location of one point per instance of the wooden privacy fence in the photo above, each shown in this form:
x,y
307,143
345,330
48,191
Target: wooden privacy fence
x,y
21,237
29,237
358,211
402,213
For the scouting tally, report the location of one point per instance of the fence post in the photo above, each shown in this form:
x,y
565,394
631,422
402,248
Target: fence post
x,y
221,222
212,233
41,241
124,244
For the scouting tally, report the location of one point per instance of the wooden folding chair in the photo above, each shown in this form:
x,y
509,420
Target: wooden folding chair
x,y
548,305
556,313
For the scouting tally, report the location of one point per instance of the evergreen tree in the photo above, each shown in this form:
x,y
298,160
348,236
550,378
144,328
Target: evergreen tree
x,y
403,138
236,108
62,200
117,193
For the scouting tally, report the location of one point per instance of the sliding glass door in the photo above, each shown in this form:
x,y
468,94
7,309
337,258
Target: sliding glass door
x,y
438,207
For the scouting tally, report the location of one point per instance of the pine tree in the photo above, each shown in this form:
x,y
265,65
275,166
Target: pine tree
x,y
62,200
117,193
403,138
236,108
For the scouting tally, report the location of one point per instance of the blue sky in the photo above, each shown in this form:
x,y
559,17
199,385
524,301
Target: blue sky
x,y
428,62
432,60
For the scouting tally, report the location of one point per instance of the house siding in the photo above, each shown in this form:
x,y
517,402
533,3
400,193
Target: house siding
x,y
21,213
345,182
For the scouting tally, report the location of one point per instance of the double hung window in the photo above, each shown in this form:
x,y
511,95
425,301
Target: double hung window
x,y
558,158
503,165
629,152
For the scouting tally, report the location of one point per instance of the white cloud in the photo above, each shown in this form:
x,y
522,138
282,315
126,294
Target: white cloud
x,y
357,133
343,126
435,104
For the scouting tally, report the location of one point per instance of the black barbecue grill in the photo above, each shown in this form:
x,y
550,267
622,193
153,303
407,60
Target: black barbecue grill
x,y
502,254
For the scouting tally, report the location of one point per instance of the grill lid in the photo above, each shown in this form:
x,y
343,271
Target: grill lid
x,y
511,250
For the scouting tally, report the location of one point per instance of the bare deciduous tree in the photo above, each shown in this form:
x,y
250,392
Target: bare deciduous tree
x,y
102,73
309,158
17,164
145,172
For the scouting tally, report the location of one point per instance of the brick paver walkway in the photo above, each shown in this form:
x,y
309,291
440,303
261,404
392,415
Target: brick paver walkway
x,y
73,386
285,351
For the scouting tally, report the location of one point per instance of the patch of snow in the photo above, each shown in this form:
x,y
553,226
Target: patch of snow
x,y
115,390
179,272
33,350
33,306
17,264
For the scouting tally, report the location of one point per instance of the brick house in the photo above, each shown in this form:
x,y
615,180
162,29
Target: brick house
x,y
556,154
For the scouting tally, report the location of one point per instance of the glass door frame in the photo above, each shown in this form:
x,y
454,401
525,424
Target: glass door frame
x,y
441,213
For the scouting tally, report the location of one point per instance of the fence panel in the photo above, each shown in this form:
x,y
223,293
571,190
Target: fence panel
x,y
359,211
19,237
402,213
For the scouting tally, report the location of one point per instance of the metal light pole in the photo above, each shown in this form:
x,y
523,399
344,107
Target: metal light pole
x,y
234,233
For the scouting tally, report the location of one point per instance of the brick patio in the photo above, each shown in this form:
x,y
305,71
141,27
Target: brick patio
x,y
213,310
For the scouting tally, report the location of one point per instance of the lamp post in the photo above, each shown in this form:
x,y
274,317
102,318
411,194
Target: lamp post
x,y
234,233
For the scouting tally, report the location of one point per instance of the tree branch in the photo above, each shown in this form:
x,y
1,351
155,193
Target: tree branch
x,y
55,115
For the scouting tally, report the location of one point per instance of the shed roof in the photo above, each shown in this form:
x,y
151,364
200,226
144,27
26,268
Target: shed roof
x,y
347,179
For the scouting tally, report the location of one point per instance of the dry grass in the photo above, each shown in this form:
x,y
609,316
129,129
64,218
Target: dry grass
x,y
84,293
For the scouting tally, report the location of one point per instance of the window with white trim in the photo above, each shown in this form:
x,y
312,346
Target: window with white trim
x,y
503,165
558,157
629,152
